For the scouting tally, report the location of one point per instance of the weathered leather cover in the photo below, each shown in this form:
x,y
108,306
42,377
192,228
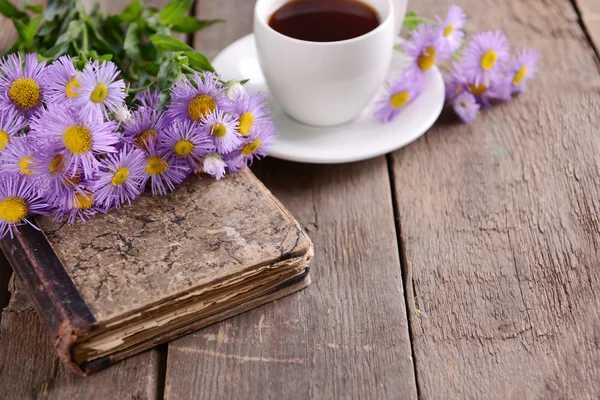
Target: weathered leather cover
x,y
153,252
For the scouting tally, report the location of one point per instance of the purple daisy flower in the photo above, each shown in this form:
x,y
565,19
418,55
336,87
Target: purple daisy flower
x,y
19,157
234,90
214,165
145,125
163,174
78,205
192,100
222,128
149,98
120,178
485,55
11,122
22,84
62,80
463,80
50,168
399,94
523,68
185,141
427,48
452,28
250,110
257,144
18,200
100,90
466,106
81,137
234,161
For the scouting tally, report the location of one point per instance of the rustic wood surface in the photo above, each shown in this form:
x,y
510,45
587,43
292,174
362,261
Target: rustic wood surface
x,y
498,229
499,225
589,10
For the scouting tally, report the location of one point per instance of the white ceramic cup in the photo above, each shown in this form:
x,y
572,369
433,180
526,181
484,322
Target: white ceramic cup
x,y
326,83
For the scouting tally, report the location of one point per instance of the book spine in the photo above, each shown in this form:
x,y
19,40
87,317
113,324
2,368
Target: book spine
x,y
54,295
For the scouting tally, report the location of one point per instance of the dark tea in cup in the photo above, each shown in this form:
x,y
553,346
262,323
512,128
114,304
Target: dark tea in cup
x,y
324,20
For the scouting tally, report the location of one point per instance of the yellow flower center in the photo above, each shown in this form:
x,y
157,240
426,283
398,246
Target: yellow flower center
x,y
24,165
56,166
488,60
251,147
149,135
477,90
246,122
399,99
4,139
70,88
183,148
25,93
99,94
218,130
120,177
448,31
427,59
77,139
519,76
155,165
201,106
83,201
13,209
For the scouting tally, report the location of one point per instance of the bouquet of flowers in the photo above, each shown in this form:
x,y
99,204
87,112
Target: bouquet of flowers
x,y
75,140
476,74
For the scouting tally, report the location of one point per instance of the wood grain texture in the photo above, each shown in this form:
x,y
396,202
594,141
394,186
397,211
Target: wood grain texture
x,y
29,368
589,10
500,229
346,335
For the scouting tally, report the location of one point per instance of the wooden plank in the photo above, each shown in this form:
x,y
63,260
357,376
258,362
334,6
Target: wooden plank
x,y
8,34
499,225
29,367
589,10
346,335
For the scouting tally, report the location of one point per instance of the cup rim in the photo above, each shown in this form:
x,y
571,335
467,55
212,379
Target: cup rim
x,y
387,20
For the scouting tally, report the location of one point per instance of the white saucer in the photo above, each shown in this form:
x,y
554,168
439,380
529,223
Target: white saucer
x,y
361,139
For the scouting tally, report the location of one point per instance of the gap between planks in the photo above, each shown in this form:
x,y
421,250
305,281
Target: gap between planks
x,y
589,19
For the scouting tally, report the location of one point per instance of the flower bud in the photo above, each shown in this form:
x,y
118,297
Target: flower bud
x,y
122,113
234,90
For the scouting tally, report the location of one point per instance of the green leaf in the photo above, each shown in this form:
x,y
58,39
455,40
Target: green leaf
x,y
73,31
413,20
169,72
27,31
175,10
168,43
131,44
198,61
38,8
132,11
10,11
98,39
193,25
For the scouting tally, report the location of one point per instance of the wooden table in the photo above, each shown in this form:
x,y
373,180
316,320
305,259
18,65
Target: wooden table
x,y
466,265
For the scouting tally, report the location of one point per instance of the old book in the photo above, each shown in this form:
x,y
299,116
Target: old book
x,y
158,269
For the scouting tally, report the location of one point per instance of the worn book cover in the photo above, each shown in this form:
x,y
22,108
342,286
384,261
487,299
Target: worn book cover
x,y
160,268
